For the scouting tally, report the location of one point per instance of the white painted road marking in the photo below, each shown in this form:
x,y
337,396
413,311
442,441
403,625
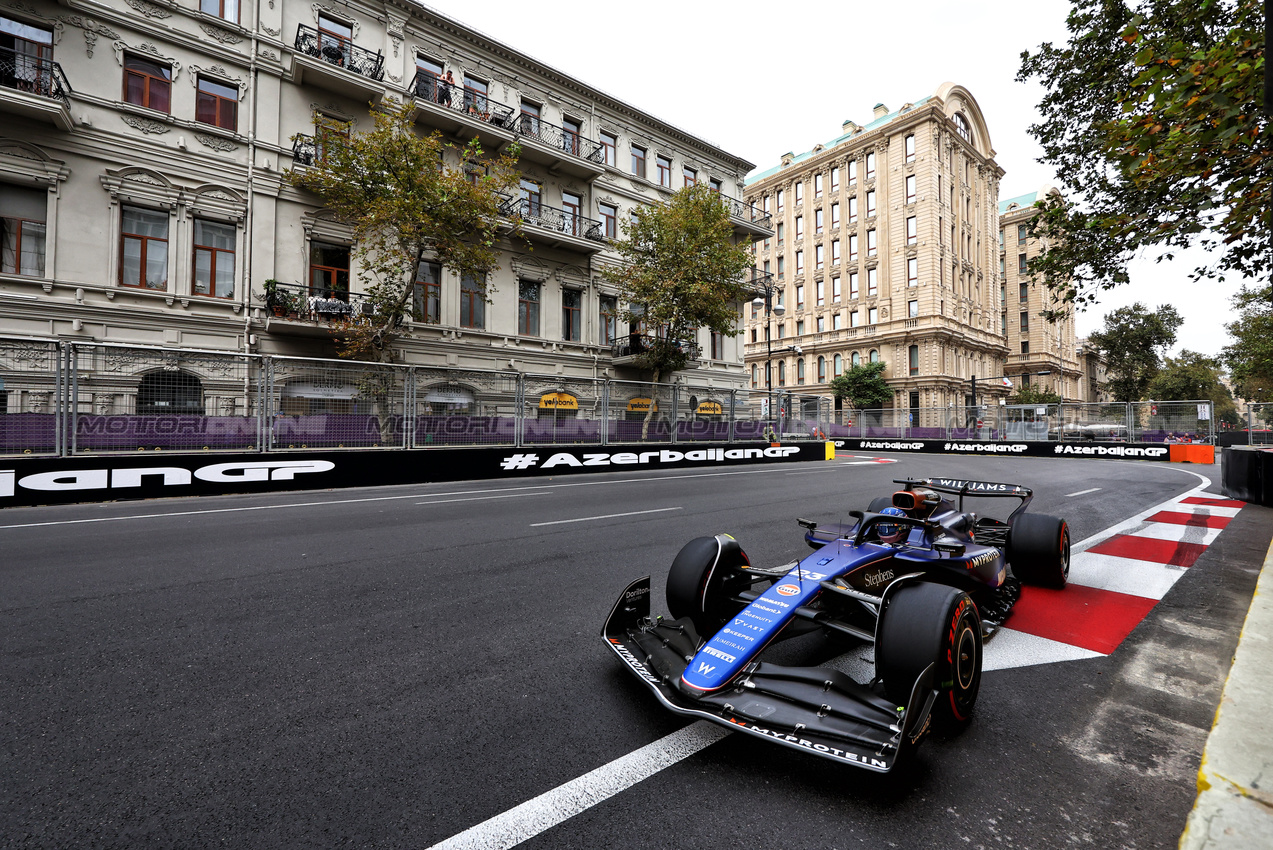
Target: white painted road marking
x,y
603,516
565,801
1081,493
766,469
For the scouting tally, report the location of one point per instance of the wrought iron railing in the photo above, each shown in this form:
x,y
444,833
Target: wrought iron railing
x,y
340,52
560,138
551,218
304,151
43,77
310,304
427,86
634,344
747,212
758,281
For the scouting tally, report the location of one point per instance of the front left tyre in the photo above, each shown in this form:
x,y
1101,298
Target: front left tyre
x,y
703,579
926,623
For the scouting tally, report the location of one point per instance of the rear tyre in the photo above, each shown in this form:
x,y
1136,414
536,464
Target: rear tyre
x,y
1039,550
926,623
879,504
703,579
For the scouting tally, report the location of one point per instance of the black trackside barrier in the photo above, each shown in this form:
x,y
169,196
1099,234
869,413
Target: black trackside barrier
x,y
1111,451
88,478
1247,474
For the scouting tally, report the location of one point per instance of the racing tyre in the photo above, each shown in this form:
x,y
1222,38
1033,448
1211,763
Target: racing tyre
x,y
879,504
1039,550
926,623
703,578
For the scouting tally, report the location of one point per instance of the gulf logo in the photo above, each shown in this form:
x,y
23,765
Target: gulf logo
x,y
787,589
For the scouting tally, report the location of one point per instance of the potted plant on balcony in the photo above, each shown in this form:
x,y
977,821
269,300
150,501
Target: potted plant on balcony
x,y
280,301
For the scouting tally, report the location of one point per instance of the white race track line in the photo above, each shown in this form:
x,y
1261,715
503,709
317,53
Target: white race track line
x,y
1081,493
565,801
603,516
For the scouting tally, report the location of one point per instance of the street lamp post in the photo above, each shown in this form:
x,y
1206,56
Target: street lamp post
x,y
976,408
765,299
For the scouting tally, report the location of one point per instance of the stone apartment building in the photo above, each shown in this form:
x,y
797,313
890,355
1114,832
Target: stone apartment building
x,y
886,248
143,199
1035,345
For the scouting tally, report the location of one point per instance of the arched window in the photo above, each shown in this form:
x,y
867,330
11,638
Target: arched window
x,y
800,371
839,366
962,127
170,392
822,370
914,359
755,375
857,360
875,355
782,373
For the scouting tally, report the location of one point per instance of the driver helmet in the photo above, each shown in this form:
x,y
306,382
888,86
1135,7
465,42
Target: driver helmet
x,y
891,532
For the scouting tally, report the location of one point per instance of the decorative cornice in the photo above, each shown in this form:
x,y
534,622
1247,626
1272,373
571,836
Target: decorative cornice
x,y
220,34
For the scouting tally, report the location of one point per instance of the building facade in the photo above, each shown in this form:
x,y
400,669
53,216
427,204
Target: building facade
x,y
885,248
1040,352
143,196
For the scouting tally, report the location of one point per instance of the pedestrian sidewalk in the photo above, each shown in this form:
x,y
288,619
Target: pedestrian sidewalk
x,y
1234,809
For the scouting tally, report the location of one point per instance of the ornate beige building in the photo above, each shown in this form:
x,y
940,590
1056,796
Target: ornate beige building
x,y
1035,345
143,146
886,247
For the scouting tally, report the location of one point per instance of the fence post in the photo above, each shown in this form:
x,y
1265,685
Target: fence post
x,y
408,408
519,412
73,399
1250,426
676,398
59,409
605,412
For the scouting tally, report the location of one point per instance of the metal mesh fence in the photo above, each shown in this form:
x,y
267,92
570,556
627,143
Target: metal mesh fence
x,y
335,404
556,410
1172,422
1259,423
640,412
463,407
30,390
122,398
67,398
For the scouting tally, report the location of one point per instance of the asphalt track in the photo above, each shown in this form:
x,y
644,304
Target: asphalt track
x,y
403,667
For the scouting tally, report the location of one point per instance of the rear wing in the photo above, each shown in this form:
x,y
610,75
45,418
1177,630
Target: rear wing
x,y
962,487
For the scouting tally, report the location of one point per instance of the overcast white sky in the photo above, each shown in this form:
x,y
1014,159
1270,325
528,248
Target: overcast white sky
x,y
761,79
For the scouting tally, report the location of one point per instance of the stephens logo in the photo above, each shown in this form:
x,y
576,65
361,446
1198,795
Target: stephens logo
x,y
876,579
788,589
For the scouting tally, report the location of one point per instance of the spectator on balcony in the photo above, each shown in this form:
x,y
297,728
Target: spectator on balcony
x,y
444,89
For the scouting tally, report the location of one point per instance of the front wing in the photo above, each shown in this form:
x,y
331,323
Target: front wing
x,y
813,709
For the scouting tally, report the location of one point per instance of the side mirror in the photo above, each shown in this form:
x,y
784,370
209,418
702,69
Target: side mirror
x,y
952,548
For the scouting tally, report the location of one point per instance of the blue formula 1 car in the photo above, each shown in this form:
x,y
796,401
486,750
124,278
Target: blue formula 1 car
x,y
917,575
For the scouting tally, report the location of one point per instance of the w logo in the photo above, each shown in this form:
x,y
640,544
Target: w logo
x,y
705,668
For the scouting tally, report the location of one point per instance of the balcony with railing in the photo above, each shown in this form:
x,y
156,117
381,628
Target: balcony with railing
x,y
758,282
627,349
749,219
560,148
34,87
335,63
556,227
461,110
307,310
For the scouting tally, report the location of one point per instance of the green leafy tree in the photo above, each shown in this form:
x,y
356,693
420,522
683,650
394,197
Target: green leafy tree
x,y
1133,342
405,203
1152,120
1034,394
1250,357
862,386
1190,377
681,270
